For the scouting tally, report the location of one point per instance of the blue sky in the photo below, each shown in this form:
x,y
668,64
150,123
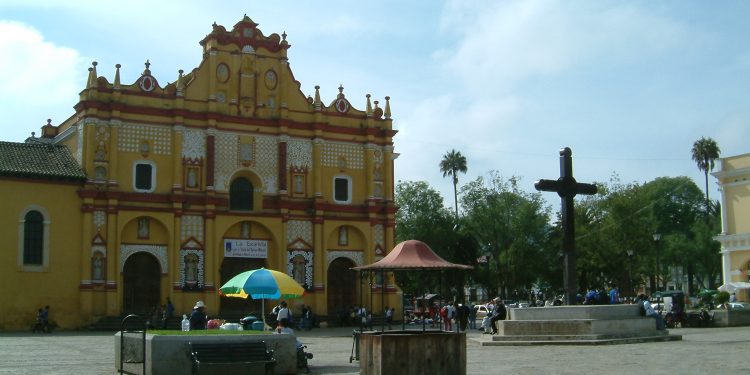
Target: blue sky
x,y
629,86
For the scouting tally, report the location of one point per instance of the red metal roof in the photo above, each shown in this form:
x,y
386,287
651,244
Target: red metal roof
x,y
409,255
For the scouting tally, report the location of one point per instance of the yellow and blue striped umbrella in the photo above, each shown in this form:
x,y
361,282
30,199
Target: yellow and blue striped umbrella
x,y
262,284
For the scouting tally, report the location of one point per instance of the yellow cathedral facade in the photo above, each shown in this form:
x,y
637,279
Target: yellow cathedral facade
x,y
152,191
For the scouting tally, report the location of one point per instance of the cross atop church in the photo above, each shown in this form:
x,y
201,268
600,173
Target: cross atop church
x,y
567,188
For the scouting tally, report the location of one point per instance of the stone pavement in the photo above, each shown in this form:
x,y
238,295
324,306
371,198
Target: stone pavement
x,y
702,350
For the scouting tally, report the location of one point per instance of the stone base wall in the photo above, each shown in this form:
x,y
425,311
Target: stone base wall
x,y
167,354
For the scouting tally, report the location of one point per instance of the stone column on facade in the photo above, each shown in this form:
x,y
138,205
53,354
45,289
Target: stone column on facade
x,y
726,264
283,107
318,144
212,80
320,266
210,158
388,159
114,128
86,301
177,167
282,164
211,255
114,283
369,169
173,256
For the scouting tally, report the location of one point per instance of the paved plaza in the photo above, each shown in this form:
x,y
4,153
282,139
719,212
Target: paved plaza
x,y
701,351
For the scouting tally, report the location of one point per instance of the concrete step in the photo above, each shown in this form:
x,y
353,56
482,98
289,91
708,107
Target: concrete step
x,y
581,341
573,337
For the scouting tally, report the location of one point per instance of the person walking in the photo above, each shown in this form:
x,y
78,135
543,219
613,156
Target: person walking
x,y
472,316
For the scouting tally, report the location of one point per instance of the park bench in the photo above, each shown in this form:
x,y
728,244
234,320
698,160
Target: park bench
x,y
206,354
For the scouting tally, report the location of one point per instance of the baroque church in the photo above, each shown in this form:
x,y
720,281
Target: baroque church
x,y
152,191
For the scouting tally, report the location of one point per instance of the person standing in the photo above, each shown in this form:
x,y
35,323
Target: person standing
x,y
45,319
614,295
168,313
198,317
389,316
472,316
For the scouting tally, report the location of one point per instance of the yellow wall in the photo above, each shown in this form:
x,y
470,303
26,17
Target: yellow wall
x,y
57,285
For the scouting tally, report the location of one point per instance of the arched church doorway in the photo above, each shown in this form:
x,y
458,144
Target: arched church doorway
x,y
141,276
342,285
231,267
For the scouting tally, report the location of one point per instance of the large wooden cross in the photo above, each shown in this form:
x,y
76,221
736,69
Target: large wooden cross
x,y
567,188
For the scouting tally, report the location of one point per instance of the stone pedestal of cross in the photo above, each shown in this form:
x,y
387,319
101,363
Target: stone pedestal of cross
x,y
567,188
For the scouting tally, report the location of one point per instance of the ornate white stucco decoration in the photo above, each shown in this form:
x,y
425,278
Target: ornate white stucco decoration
x,y
299,153
308,255
130,136
267,154
194,144
192,226
299,229
226,159
354,256
159,251
352,152
379,234
100,219
200,276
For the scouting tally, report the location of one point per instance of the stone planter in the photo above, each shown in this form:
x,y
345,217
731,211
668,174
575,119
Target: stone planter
x,y
167,354
412,352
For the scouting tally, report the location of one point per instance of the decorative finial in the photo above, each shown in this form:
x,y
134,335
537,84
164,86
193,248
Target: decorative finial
x,y
316,102
283,35
33,134
368,111
179,82
148,64
387,107
49,122
341,88
117,77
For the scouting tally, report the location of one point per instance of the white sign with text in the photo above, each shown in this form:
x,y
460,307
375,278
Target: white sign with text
x,y
245,248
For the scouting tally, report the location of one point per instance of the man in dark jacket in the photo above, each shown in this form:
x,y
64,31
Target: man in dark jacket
x,y
198,318
498,313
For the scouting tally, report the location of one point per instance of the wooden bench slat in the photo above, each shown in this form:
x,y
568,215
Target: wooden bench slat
x,y
224,353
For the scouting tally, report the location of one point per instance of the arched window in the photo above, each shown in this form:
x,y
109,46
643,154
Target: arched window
x,y
33,238
241,194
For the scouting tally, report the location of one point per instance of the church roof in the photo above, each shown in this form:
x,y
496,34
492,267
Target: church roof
x,y
412,255
39,160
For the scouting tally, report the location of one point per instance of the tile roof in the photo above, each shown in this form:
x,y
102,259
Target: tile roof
x,y
39,160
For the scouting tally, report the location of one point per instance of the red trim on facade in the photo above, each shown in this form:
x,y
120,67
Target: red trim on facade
x,y
272,125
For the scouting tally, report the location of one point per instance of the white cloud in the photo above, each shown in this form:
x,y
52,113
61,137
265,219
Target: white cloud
x,y
507,42
38,75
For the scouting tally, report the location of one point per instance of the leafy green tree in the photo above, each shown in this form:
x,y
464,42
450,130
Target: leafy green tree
x,y
511,226
452,163
705,151
423,217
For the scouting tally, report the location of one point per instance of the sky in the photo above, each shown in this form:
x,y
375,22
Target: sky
x,y
627,85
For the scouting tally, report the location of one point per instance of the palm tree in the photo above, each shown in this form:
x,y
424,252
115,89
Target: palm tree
x,y
705,151
452,163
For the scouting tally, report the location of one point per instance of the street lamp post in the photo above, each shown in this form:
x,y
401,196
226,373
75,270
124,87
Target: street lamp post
x,y
630,270
657,238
